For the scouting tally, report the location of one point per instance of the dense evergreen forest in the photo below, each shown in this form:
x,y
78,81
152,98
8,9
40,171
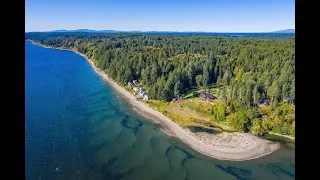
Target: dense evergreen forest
x,y
249,69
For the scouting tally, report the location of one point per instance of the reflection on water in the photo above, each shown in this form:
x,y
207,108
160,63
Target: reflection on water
x,y
77,127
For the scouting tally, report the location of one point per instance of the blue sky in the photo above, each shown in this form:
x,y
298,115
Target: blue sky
x,y
161,15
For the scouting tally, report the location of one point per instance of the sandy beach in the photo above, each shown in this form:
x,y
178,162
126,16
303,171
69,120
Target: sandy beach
x,y
224,146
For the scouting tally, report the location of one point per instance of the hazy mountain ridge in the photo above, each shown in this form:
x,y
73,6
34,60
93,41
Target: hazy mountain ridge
x,y
285,31
136,31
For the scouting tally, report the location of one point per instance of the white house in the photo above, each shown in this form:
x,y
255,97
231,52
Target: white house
x,y
142,93
145,97
130,84
135,82
142,89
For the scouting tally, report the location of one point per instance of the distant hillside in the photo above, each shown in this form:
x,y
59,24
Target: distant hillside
x,y
86,30
285,31
169,32
282,33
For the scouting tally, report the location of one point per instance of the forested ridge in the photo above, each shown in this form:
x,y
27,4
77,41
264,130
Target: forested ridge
x,y
248,68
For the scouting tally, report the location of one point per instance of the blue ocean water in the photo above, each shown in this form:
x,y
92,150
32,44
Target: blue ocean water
x,y
78,127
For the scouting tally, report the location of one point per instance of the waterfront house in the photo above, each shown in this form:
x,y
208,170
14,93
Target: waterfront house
x,y
130,84
142,89
142,93
135,82
145,97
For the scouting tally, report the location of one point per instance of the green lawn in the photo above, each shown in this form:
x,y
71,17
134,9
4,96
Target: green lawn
x,y
158,105
189,112
192,111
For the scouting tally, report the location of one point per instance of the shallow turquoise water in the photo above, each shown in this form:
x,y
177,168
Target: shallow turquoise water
x,y
77,127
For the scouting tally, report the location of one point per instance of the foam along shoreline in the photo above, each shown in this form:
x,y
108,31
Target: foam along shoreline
x,y
224,146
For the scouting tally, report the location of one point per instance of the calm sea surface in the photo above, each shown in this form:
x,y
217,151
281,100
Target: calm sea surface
x,y
77,127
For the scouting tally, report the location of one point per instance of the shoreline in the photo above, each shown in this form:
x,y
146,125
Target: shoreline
x,y
282,135
234,146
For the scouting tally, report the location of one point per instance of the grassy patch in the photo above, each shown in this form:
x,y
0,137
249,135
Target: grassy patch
x,y
190,94
192,111
224,125
196,105
158,105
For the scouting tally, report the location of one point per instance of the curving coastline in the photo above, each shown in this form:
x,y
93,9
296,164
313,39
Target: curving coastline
x,y
224,146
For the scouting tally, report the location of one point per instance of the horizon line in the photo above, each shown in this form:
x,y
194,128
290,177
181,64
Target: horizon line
x,y
154,31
